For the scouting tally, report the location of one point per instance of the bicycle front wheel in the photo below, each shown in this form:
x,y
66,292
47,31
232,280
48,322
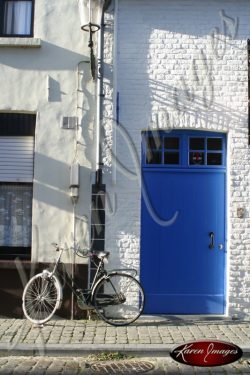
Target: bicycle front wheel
x,y
118,299
41,298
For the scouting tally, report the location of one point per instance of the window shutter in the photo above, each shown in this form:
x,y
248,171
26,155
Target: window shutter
x,y
16,159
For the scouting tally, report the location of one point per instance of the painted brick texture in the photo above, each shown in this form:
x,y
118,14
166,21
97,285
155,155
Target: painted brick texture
x,y
177,65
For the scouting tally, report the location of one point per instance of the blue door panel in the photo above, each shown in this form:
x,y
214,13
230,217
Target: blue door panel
x,y
184,304
179,272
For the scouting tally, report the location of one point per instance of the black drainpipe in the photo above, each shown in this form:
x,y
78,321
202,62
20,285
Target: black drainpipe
x,y
98,188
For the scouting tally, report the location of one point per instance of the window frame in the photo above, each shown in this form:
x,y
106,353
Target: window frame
x,y
184,149
4,35
207,152
17,124
12,252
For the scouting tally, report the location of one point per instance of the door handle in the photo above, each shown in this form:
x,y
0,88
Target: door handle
x,y
211,245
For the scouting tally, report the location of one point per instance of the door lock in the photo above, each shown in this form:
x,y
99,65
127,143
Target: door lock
x,y
221,246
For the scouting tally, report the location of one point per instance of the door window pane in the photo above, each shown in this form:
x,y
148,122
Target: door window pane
x,y
214,143
171,158
171,143
154,142
214,159
197,144
196,158
17,18
153,157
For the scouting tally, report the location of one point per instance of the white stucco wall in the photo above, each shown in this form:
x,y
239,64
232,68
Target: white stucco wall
x,y
50,76
177,64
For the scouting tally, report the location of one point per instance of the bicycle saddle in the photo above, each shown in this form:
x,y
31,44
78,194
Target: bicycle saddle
x,y
101,254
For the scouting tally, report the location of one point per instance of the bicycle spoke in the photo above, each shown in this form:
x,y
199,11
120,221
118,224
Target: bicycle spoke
x,y
50,304
119,299
46,309
40,299
45,286
35,287
49,295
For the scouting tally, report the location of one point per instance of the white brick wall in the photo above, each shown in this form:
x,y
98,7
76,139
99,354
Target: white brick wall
x,y
177,64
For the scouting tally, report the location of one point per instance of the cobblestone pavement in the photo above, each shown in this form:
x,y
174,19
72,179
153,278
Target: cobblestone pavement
x,y
144,332
69,343
75,366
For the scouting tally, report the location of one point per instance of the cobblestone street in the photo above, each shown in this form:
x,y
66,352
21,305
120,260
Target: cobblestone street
x,y
73,366
69,346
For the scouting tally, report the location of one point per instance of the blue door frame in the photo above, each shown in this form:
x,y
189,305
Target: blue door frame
x,y
183,236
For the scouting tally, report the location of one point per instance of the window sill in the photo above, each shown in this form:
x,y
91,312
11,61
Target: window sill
x,y
20,42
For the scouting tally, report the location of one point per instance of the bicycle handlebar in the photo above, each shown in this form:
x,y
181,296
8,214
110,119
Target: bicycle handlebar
x,y
84,253
81,253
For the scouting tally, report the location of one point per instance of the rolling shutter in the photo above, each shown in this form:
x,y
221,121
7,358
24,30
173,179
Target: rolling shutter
x,y
16,159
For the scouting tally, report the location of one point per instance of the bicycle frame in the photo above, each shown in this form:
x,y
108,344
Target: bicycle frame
x,y
100,272
58,260
86,294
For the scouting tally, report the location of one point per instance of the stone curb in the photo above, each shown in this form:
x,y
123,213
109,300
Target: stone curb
x,y
82,349
74,350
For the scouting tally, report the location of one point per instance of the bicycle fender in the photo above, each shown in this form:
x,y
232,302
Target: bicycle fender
x,y
95,286
60,297
127,271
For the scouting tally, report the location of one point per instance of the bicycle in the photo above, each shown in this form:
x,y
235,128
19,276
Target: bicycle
x,y
116,295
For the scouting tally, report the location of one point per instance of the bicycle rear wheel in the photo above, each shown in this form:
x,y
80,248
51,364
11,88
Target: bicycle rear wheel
x,y
118,299
41,298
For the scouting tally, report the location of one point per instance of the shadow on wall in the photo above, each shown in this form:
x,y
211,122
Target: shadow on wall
x,y
52,180
54,90
178,108
52,176
171,68
48,57
86,103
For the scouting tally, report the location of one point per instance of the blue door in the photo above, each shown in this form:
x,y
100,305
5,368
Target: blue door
x,y
183,246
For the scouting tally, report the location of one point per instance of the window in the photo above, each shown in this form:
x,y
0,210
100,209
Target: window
x,y
183,149
171,150
154,149
214,154
162,149
196,151
16,184
17,18
205,151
